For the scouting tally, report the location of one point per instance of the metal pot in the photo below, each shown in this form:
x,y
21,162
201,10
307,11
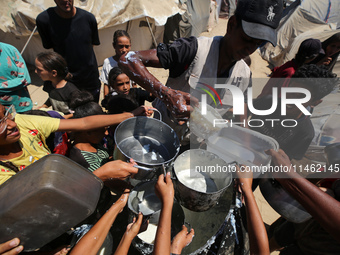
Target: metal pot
x,y
144,199
195,188
282,202
150,142
177,220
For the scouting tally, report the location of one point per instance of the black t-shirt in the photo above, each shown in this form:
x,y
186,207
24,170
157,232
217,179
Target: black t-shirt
x,y
293,140
177,56
126,103
73,39
140,95
60,98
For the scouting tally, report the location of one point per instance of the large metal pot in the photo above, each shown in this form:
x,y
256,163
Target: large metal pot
x,y
282,202
196,188
177,221
150,142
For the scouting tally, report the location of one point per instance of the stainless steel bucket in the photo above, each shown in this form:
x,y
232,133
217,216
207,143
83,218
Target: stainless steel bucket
x,y
150,142
201,177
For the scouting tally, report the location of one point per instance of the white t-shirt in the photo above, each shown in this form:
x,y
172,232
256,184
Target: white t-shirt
x,y
109,63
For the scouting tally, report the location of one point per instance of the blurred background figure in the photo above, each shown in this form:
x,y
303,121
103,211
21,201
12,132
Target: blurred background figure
x,y
331,48
14,78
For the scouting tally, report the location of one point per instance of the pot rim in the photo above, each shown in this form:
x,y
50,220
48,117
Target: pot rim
x,y
204,193
129,202
149,164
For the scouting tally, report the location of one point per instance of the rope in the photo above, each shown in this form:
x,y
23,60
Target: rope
x,y
153,37
28,40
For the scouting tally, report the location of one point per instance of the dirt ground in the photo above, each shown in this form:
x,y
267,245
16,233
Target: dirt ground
x,y
259,68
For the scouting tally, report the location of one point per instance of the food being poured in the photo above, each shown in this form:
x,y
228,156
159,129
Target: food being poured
x,y
202,123
197,181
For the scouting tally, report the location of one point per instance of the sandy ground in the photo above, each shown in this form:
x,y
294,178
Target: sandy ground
x,y
259,68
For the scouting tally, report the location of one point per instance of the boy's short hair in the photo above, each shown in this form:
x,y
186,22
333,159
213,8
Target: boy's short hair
x,y
121,103
318,79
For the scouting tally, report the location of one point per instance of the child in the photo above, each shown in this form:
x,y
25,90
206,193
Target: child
x,y
308,51
121,44
22,140
87,149
52,69
120,82
331,48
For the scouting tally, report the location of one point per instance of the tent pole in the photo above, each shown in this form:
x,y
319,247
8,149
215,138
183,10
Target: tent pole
x,y
153,37
35,28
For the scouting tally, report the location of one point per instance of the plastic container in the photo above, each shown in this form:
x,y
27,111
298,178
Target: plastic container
x,y
45,200
202,125
246,147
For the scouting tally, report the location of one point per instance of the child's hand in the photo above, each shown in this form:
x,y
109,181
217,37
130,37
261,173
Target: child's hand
x,y
142,111
148,110
279,158
134,228
11,247
244,179
325,61
182,239
118,169
164,188
121,202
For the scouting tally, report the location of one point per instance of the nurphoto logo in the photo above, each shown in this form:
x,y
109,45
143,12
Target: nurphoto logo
x,y
238,105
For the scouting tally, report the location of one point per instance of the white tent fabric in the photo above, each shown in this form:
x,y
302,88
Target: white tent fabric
x,y
17,21
305,21
325,10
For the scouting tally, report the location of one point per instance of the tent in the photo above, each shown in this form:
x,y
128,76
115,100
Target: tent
x,y
143,19
197,17
302,19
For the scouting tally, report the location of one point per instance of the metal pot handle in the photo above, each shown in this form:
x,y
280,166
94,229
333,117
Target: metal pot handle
x,y
156,110
143,168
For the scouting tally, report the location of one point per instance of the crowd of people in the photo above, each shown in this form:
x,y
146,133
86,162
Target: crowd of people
x,y
73,122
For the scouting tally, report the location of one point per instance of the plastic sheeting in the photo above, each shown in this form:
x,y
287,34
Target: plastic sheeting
x,y
311,19
18,16
17,22
191,23
325,10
